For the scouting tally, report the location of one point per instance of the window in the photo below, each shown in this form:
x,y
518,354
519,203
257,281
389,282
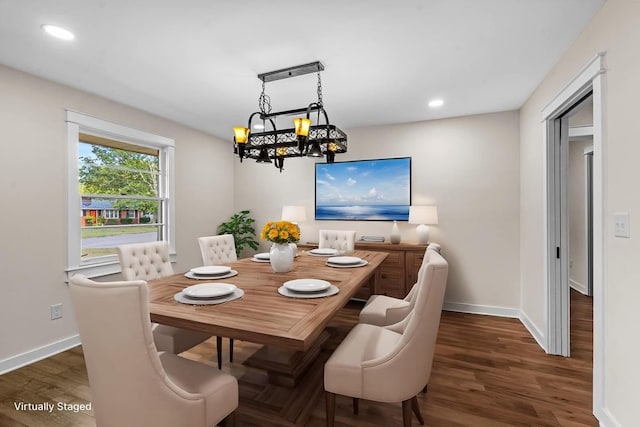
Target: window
x,y
122,180
111,214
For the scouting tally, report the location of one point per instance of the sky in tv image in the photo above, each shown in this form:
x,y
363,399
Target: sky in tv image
x,y
365,189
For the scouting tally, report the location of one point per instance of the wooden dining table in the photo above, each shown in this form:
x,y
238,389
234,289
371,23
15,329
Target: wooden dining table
x,y
281,381
262,315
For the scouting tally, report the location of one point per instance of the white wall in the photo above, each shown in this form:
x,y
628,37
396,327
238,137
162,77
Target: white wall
x,y
612,30
33,196
576,186
466,166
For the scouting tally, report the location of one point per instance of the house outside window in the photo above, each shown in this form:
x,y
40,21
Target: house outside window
x,y
118,176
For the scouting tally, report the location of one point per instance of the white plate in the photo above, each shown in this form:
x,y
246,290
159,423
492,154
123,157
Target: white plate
x,y
209,290
323,251
182,298
211,270
307,285
191,275
332,290
344,260
263,256
360,264
254,259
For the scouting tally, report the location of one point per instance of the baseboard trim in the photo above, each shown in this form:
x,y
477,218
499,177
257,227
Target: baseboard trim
x,y
533,330
20,360
606,419
578,286
481,309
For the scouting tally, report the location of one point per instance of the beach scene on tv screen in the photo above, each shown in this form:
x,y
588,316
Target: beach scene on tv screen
x,y
364,190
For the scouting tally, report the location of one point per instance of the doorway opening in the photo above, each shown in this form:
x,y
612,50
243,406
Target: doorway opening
x,y
556,116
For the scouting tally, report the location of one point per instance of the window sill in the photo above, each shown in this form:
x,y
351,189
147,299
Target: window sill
x,y
100,269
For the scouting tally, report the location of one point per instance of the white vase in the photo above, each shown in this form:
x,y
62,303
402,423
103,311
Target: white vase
x,y
281,257
395,233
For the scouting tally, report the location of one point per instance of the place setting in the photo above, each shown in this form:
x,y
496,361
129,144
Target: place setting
x,y
346,262
210,272
307,288
209,293
261,257
323,252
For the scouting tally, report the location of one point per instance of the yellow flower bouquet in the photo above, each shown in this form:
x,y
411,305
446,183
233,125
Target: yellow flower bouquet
x,y
280,232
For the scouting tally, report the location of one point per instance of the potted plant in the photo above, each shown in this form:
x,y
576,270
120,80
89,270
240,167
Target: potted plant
x,y
241,227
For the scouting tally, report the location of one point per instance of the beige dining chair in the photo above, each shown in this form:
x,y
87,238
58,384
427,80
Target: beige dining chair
x,y
383,310
219,250
342,240
148,261
390,363
131,383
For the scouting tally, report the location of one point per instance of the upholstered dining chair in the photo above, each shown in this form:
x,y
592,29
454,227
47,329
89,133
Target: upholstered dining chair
x,y
390,363
218,250
383,310
148,261
342,240
131,383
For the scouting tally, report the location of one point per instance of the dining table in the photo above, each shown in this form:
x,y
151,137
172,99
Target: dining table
x,y
280,382
262,315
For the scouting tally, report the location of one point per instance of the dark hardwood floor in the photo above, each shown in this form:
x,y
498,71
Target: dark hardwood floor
x,y
487,371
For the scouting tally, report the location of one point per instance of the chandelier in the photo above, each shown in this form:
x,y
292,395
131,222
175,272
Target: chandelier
x,y
311,135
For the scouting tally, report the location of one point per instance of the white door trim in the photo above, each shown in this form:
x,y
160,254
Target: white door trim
x,y
589,78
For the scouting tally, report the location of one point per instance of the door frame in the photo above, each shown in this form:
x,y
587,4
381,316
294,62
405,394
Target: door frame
x,y
589,78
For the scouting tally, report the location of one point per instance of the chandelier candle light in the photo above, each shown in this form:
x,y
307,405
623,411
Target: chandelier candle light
x,y
423,215
304,139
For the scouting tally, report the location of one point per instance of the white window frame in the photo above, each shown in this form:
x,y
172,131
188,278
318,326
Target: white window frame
x,y
111,214
81,123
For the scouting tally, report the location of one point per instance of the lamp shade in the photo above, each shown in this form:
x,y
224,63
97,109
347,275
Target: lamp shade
x,y
423,215
294,213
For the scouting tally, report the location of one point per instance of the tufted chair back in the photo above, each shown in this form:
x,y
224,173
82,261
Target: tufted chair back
x,y
342,240
145,261
217,250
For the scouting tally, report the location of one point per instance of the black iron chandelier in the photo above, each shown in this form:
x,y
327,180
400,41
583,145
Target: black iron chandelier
x,y
305,138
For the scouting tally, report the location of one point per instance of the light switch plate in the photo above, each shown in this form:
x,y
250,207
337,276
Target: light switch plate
x,y
621,224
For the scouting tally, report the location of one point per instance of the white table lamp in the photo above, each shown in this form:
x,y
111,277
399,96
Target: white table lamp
x,y
294,214
423,215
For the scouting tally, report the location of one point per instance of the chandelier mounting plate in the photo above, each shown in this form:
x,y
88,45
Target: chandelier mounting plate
x,y
298,70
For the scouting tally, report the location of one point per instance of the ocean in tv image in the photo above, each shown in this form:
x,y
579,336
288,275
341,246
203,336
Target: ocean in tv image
x,y
377,212
378,190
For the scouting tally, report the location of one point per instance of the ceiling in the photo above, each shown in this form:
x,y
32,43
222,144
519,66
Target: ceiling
x,y
196,62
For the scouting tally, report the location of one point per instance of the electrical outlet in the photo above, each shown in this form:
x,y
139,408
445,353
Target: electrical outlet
x,y
621,224
56,311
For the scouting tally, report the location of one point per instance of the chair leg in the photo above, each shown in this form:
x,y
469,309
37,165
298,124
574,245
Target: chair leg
x,y
219,351
406,413
356,405
330,406
231,350
416,410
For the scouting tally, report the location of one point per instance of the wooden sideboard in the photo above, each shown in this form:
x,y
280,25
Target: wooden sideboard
x,y
398,272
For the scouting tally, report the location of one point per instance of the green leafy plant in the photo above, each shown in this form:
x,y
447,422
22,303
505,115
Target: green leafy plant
x,y
241,227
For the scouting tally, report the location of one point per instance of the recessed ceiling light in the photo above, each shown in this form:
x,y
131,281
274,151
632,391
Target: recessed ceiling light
x,y
434,103
58,32
258,126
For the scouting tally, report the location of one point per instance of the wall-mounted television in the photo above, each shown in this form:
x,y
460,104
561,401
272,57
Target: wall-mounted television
x,y
369,190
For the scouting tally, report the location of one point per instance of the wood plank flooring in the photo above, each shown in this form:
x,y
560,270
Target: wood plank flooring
x,y
487,371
